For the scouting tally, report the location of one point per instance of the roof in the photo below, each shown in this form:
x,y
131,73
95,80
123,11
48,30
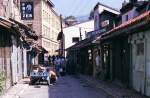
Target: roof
x,y
80,23
131,22
130,5
29,32
51,3
105,6
6,22
84,43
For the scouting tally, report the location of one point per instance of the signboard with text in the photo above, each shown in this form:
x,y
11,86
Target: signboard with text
x,y
27,10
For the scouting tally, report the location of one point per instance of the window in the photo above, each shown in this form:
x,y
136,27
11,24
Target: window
x,y
140,49
75,39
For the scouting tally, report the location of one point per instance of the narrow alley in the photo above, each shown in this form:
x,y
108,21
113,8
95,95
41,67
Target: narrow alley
x,y
66,87
74,48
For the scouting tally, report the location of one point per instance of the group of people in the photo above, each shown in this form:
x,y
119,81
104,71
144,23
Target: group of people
x,y
59,66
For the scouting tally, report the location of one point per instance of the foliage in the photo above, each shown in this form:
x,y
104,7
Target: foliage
x,y
2,81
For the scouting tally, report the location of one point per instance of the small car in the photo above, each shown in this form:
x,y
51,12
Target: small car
x,y
39,74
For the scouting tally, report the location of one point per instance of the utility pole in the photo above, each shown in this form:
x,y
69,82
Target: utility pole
x,y
62,44
80,34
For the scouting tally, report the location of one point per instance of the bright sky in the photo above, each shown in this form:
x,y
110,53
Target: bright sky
x,y
81,7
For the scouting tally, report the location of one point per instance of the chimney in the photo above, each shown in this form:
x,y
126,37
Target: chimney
x,y
133,1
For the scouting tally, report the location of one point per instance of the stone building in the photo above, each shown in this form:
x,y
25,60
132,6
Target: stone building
x,y
14,46
45,22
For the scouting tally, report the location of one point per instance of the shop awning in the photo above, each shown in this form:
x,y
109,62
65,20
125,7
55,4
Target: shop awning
x,y
25,29
82,44
5,22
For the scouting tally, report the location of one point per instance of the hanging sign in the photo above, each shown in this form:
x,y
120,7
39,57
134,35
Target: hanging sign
x,y
27,10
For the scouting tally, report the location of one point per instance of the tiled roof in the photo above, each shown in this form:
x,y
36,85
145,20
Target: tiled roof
x,y
129,23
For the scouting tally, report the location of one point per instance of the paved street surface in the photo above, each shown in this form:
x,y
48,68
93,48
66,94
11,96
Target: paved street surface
x,y
66,87
69,87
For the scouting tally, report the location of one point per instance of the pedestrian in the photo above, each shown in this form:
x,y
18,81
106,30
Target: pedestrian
x,y
57,65
53,77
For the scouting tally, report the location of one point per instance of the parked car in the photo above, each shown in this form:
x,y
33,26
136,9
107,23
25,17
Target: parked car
x,y
39,74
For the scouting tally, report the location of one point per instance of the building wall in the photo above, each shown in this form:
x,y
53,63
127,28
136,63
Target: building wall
x,y
97,13
46,24
130,14
141,62
147,63
96,20
5,55
73,31
8,59
2,10
36,22
50,28
10,9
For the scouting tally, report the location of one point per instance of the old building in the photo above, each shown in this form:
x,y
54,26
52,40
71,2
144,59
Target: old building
x,y
13,44
126,47
104,20
74,34
86,51
98,9
44,21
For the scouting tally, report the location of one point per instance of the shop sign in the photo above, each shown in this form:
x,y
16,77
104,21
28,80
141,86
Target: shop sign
x,y
27,10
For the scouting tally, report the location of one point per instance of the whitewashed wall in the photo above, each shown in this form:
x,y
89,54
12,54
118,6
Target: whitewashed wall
x,y
25,62
73,31
14,60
